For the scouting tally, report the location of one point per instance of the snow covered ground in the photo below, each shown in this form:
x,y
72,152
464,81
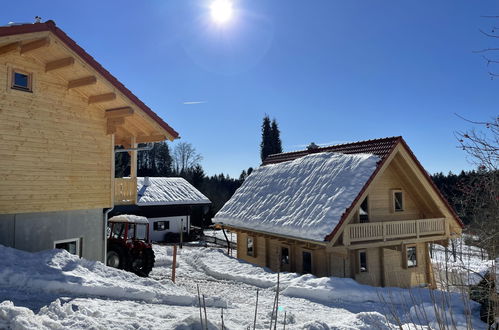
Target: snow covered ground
x,y
218,233
55,290
470,264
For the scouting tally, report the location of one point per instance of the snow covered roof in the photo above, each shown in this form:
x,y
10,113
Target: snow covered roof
x,y
168,191
128,218
303,198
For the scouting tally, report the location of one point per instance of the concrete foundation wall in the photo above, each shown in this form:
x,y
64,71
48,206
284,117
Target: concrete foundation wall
x,y
37,231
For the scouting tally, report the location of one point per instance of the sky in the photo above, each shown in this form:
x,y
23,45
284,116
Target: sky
x,y
329,71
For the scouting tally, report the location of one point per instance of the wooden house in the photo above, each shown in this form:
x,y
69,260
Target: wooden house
x,y
364,210
171,205
61,116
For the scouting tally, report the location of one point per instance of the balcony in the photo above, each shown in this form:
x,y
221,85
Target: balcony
x,y
125,191
390,230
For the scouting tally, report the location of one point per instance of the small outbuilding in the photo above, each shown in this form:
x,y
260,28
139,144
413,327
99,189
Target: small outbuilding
x,y
171,204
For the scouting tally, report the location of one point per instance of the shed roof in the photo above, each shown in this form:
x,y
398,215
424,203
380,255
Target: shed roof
x,y
168,191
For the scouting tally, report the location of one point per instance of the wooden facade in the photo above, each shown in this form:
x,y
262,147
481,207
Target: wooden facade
x,y
57,137
377,248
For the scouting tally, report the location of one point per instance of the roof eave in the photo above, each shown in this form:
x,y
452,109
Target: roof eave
x,y
50,26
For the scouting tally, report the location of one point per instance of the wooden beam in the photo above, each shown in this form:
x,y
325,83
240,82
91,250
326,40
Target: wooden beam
x,y
150,138
59,64
119,112
102,98
85,81
34,45
113,123
10,47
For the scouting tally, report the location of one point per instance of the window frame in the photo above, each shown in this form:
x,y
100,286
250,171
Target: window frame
x,y
166,225
402,201
253,246
29,75
359,262
70,240
287,247
406,255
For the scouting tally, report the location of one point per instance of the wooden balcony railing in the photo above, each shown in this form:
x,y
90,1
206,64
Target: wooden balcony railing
x,y
390,230
125,191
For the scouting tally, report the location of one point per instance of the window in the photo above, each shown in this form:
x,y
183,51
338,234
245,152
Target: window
x,y
362,261
161,225
118,230
250,247
284,256
21,80
71,245
364,211
412,260
398,201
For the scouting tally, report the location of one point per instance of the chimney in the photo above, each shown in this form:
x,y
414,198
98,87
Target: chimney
x,y
147,182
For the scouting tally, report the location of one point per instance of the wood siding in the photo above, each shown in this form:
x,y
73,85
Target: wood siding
x,y
54,151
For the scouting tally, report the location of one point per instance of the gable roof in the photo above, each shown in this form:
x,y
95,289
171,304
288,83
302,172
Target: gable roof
x,y
382,148
168,191
50,26
304,197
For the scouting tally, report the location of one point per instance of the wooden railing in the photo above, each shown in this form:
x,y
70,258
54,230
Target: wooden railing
x,y
389,230
125,191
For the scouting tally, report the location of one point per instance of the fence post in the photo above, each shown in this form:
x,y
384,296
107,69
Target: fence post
x,y
174,264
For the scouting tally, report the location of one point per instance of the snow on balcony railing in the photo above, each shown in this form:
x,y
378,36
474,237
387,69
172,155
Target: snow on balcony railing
x,y
393,229
125,191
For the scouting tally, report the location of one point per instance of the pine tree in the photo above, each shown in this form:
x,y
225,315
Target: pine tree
x,y
266,144
275,137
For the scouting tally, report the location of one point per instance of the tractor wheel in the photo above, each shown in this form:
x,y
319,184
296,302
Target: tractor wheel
x,y
143,265
117,257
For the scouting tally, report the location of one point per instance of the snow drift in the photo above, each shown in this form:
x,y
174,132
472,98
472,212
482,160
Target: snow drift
x,y
59,272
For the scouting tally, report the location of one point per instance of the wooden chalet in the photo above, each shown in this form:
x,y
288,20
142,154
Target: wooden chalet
x,y
364,210
61,116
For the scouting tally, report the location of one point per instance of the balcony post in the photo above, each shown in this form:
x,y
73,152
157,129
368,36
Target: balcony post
x,y
417,228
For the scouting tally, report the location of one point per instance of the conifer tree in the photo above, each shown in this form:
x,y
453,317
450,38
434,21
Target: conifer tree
x,y
266,144
275,137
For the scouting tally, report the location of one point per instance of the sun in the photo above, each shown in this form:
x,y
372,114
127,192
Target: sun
x,y
221,11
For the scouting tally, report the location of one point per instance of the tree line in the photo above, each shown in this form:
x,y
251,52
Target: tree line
x,y
184,161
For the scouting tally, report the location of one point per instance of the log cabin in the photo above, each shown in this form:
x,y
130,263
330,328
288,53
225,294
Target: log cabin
x,y
61,116
365,210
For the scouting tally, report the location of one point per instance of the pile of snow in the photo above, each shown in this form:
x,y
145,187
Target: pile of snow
x,y
168,191
305,197
59,272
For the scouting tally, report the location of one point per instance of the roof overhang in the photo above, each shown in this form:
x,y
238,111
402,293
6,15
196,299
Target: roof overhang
x,y
127,115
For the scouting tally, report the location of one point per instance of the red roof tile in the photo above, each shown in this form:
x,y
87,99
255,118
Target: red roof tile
x,y
378,147
50,26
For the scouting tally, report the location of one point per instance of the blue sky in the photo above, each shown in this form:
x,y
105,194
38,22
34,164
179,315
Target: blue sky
x,y
328,71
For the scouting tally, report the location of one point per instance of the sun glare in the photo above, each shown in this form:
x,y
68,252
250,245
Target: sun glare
x,y
221,11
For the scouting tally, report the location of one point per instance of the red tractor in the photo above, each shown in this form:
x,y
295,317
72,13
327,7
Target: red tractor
x,y
128,245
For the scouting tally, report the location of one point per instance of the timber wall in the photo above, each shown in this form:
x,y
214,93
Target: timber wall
x,y
54,151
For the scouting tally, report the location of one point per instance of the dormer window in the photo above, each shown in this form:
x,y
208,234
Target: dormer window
x,y
21,80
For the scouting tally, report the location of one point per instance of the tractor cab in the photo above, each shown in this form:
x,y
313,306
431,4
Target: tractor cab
x,y
128,245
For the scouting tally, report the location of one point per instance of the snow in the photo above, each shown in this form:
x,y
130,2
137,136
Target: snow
x,y
168,191
129,218
131,302
218,233
59,272
305,197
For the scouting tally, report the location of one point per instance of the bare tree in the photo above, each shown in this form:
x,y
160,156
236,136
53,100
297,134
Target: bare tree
x,y
185,157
